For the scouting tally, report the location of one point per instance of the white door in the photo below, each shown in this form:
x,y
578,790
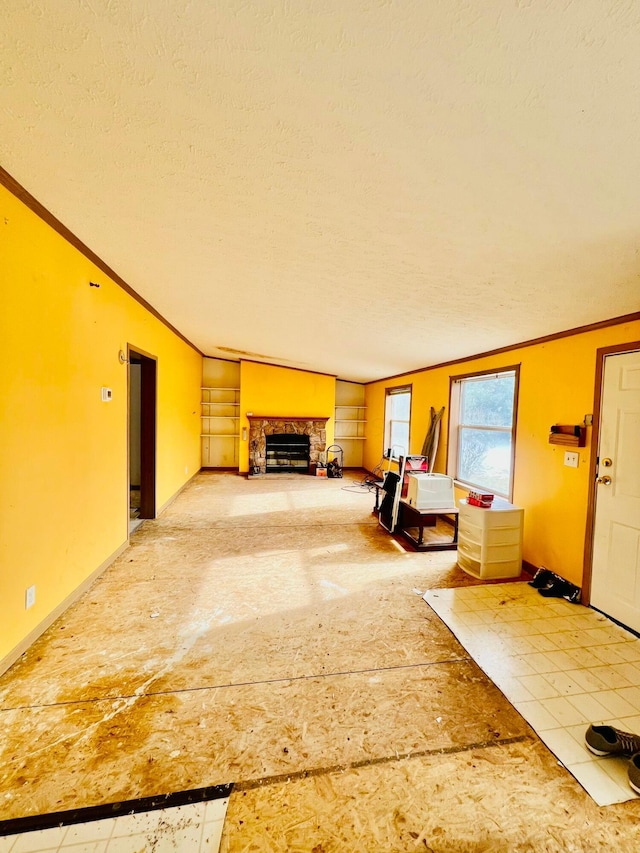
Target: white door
x,y
615,579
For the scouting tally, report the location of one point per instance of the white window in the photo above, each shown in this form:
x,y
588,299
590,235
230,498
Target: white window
x,y
397,420
482,430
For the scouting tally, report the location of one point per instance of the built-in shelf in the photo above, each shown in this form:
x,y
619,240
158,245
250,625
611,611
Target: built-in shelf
x,y
220,412
219,435
350,421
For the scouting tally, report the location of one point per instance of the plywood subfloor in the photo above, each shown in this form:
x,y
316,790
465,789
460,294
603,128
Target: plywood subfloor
x,y
271,634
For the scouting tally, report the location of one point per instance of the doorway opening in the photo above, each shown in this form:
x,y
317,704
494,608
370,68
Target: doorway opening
x,y
142,437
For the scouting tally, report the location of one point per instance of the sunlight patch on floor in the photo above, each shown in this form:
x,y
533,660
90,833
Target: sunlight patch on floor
x,y
257,504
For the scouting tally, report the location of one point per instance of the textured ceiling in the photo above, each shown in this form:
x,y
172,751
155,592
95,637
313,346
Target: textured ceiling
x,y
360,187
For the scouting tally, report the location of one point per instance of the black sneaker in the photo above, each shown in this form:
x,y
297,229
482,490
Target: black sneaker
x,y
574,596
605,740
541,578
634,772
558,588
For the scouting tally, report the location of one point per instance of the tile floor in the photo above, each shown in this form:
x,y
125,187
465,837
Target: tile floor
x,y
561,665
195,827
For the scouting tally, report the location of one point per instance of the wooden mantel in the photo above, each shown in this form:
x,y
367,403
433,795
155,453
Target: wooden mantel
x,y
288,418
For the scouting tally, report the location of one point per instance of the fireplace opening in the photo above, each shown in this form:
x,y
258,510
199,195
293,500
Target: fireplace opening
x,y
287,452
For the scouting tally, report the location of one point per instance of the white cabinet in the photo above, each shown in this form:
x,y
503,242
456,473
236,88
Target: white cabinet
x,y
350,420
490,540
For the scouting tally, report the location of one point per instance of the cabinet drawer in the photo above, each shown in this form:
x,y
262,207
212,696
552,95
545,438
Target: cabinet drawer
x,y
488,538
467,563
489,553
469,531
486,518
503,536
489,569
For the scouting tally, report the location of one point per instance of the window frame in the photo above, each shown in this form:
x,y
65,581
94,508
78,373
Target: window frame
x,y
454,429
390,392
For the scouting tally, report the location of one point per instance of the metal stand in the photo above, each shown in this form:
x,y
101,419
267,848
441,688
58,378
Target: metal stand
x,y
334,466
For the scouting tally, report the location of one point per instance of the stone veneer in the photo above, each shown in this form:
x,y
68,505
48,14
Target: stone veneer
x,y
260,426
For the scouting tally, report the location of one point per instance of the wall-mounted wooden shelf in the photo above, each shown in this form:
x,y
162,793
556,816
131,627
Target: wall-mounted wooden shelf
x,y
569,435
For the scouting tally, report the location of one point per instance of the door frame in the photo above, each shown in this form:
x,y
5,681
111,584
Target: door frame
x,y
148,420
601,355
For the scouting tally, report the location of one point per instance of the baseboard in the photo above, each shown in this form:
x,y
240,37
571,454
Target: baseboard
x,y
168,503
17,652
528,568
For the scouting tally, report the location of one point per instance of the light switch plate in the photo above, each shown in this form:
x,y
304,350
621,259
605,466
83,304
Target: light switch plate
x,y
571,458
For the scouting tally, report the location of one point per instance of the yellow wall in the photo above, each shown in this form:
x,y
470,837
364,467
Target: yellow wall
x,y
557,384
278,391
63,475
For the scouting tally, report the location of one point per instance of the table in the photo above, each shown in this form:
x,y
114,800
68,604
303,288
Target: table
x,y
409,517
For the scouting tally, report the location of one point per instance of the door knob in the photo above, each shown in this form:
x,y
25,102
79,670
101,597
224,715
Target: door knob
x,y
607,462
606,481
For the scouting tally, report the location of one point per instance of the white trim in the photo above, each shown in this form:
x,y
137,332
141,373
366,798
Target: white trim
x,y
168,503
11,657
455,427
452,430
389,421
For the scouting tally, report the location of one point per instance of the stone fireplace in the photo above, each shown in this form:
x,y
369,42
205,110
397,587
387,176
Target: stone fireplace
x,y
261,425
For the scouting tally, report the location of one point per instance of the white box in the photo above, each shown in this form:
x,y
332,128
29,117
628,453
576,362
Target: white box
x,y
430,491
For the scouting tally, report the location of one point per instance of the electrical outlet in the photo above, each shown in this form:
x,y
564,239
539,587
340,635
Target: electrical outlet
x,y
30,597
571,459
